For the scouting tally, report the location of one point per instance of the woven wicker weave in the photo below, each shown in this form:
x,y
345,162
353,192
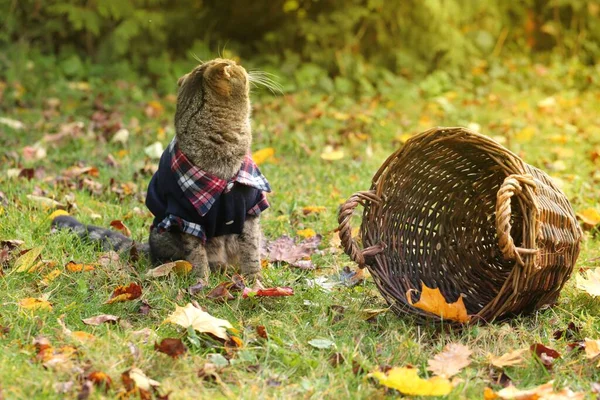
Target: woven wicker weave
x,y
457,211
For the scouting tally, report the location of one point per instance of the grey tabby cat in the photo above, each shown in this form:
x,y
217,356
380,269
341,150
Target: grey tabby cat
x,y
207,194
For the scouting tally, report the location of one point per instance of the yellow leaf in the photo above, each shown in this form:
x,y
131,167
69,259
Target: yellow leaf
x,y
434,302
199,320
306,233
57,213
27,260
509,359
589,216
407,381
180,266
263,155
329,154
75,267
50,277
525,134
83,336
592,348
451,361
590,283
30,303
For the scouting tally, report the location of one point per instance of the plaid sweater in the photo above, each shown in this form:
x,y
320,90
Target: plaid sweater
x,y
183,197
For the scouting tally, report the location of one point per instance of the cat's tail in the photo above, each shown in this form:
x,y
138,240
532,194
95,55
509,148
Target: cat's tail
x,y
108,239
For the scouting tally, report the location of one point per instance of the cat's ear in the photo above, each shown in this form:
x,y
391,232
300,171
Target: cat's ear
x,y
182,79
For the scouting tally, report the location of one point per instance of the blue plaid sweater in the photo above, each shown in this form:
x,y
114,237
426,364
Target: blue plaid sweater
x,y
183,197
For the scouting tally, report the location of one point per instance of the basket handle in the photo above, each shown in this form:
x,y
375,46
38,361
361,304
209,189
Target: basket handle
x,y
345,230
511,186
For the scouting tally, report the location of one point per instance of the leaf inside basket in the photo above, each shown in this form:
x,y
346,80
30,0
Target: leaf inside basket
x,y
434,302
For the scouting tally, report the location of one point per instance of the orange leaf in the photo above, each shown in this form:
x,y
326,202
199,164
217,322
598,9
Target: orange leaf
x,y
120,226
434,302
125,293
72,266
35,304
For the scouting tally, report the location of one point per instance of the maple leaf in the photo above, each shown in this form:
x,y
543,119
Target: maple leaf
x,y
590,283
434,302
407,381
30,303
125,293
199,320
451,361
179,266
507,360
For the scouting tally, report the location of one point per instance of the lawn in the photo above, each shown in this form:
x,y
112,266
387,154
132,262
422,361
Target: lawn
x,y
325,147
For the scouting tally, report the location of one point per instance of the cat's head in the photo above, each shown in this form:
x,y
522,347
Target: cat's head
x,y
218,81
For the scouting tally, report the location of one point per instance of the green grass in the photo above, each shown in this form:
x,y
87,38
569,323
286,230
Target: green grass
x,y
298,126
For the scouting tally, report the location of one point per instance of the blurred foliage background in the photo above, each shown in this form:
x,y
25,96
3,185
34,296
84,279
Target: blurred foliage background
x,y
347,46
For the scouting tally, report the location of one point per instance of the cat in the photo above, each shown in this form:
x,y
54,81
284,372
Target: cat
x,y
208,194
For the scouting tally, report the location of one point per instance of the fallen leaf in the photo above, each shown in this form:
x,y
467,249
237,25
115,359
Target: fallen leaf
x,y
592,348
570,333
321,343
12,123
285,249
451,361
590,217
171,347
329,154
100,319
268,292
590,283
180,266
306,233
434,302
100,379
120,226
199,320
336,359
125,293
197,287
545,354
50,277
509,359
57,213
262,331
121,136
369,313
220,293
351,278
26,261
263,155
45,202
72,266
82,336
134,379
30,303
542,392
313,210
155,150
407,381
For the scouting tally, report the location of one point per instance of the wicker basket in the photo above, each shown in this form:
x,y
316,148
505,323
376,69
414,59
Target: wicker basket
x,y
455,210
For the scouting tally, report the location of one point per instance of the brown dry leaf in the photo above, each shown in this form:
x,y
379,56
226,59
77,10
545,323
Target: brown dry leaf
x,y
30,303
590,283
221,293
26,261
542,392
590,217
125,293
263,155
108,258
135,380
100,319
434,302
509,359
199,320
451,361
72,266
120,226
285,249
181,267
75,171
268,292
171,347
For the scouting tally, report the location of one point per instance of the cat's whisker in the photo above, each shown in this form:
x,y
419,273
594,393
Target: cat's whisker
x,y
261,78
197,58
